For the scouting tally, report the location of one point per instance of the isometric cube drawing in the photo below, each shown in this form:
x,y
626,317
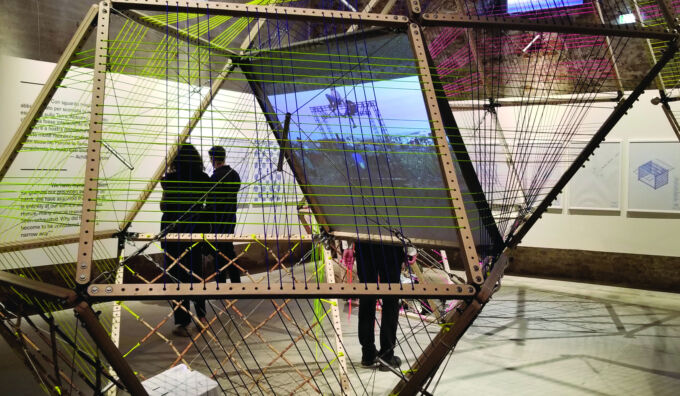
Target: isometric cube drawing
x,y
653,174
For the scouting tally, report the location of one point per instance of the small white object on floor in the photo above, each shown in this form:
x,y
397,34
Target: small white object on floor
x,y
180,381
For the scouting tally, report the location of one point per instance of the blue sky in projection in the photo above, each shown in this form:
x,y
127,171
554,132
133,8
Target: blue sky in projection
x,y
517,6
356,112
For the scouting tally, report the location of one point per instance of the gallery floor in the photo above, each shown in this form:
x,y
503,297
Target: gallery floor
x,y
535,337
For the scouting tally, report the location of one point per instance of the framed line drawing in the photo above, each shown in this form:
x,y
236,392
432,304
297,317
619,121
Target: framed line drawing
x,y
597,186
654,176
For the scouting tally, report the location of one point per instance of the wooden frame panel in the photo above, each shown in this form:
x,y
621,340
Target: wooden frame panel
x,y
87,218
159,291
272,12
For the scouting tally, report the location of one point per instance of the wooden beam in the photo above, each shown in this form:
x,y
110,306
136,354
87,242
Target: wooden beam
x,y
341,235
265,11
37,287
94,143
108,292
56,240
454,325
446,160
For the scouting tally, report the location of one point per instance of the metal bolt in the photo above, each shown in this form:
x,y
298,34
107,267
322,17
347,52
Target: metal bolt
x,y
82,277
94,289
83,265
109,289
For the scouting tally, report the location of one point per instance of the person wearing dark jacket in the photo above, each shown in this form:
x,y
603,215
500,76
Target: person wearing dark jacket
x,y
185,187
221,211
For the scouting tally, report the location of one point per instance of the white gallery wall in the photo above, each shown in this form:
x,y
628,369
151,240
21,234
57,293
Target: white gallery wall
x,y
627,229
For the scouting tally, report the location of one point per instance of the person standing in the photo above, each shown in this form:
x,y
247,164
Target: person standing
x,y
222,205
185,187
378,263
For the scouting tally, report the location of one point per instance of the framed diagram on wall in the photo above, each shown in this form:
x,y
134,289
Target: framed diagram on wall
x,y
597,185
654,176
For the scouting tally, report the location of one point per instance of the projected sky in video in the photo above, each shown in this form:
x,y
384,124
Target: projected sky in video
x,y
354,113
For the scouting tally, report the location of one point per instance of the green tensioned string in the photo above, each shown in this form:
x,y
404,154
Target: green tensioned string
x,y
274,212
224,62
123,33
228,35
294,149
136,87
220,101
265,141
345,132
28,148
256,55
50,184
278,223
246,195
329,57
461,72
178,46
319,195
263,184
169,18
246,112
378,144
29,219
65,116
32,208
355,72
140,33
66,127
187,118
86,51
173,18
80,62
81,149
325,85
138,127
72,141
207,24
292,204
310,195
55,177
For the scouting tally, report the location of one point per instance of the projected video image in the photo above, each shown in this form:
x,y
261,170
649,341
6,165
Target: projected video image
x,y
359,139
367,150
352,126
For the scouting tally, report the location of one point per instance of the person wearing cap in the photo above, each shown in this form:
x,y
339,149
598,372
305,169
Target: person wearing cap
x,y
221,211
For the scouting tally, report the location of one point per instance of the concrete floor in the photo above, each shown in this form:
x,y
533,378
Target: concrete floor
x,y
534,337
